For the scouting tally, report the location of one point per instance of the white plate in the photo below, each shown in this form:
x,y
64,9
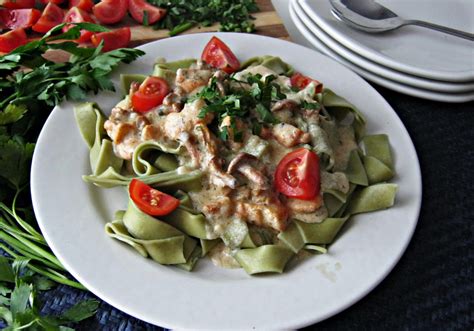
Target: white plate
x,y
72,214
300,20
410,49
379,70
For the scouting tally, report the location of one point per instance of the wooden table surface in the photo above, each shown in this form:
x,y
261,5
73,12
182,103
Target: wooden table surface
x,y
267,23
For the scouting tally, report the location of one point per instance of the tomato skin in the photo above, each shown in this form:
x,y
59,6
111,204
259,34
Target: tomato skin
x,y
19,18
52,16
76,15
56,2
112,40
301,81
297,175
17,4
12,39
218,55
138,7
150,94
151,201
110,11
82,4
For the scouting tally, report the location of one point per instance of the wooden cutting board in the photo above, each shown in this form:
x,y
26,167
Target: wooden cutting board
x,y
267,23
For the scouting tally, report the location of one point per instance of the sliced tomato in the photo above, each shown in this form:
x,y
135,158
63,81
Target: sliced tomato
x,y
56,2
151,201
52,16
150,94
112,40
12,39
110,11
19,18
17,4
297,175
137,9
218,55
301,81
82,4
76,15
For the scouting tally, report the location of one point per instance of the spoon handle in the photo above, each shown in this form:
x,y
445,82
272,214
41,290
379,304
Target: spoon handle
x,y
454,32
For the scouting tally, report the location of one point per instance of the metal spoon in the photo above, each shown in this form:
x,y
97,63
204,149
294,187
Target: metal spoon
x,y
370,16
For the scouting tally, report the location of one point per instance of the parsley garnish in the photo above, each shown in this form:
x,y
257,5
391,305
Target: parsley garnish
x,y
310,105
253,104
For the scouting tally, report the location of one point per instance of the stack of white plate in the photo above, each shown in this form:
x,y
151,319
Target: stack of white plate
x,y
411,60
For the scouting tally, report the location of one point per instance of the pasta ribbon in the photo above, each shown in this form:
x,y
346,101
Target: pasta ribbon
x,y
273,63
267,258
152,237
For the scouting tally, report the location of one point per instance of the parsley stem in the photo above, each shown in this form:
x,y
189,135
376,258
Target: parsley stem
x,y
24,244
51,274
28,228
181,28
7,100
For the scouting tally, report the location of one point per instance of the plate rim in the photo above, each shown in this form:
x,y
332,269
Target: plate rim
x,y
302,321
461,76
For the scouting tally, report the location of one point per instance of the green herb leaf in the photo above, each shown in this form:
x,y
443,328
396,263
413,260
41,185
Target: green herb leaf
x,y
6,273
15,158
310,105
80,311
19,298
265,114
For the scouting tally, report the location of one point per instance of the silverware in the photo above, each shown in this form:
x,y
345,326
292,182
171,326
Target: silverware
x,y
370,16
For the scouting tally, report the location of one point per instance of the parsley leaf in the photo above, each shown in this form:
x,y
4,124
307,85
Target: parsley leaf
x,y
12,113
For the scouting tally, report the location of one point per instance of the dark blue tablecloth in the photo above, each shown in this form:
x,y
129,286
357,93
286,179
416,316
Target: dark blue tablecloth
x,y
432,286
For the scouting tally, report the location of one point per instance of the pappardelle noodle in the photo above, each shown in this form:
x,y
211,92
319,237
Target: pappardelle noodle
x,y
250,164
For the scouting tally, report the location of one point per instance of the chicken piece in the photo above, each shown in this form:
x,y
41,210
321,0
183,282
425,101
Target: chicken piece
x,y
286,104
304,206
191,79
221,207
186,120
151,132
268,212
124,127
289,135
209,159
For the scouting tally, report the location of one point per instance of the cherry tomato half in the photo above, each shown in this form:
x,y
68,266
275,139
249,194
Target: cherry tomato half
x,y
52,16
218,55
150,94
151,201
17,4
110,11
297,174
138,7
19,18
112,40
82,4
12,39
76,15
301,81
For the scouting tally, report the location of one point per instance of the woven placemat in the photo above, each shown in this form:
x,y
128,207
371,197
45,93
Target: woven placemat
x,y
432,286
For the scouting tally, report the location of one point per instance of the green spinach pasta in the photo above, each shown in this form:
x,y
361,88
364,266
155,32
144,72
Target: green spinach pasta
x,y
249,164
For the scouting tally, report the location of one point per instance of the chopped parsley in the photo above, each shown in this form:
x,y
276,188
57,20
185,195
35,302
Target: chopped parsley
x,y
233,15
253,104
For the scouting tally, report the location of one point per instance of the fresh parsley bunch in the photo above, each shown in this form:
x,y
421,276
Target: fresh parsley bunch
x,y
30,86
